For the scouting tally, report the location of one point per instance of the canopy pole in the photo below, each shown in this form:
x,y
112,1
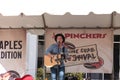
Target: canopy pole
x,y
44,22
112,19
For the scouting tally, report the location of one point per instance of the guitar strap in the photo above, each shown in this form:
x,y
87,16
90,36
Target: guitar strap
x,y
63,50
63,55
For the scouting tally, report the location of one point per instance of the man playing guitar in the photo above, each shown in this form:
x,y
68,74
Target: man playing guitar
x,y
59,50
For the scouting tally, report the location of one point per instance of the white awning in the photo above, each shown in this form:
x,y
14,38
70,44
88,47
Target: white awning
x,y
61,21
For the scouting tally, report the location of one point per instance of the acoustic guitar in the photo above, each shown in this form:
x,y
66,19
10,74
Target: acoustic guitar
x,y
55,59
52,60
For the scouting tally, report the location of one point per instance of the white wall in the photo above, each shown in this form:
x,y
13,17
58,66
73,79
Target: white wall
x,y
32,53
117,32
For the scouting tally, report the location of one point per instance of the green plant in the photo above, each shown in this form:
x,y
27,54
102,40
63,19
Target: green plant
x,y
39,74
78,75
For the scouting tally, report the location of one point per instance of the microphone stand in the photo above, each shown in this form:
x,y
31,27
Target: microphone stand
x,y
60,59
57,74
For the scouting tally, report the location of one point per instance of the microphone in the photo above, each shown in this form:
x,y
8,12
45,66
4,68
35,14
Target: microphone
x,y
58,43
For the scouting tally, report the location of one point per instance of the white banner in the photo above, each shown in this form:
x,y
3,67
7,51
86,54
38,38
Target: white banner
x,y
90,50
13,50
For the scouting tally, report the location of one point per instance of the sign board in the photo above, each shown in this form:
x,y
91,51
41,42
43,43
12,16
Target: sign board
x,y
90,50
13,50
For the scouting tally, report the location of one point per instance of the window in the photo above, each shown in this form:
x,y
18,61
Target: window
x,y
116,56
40,50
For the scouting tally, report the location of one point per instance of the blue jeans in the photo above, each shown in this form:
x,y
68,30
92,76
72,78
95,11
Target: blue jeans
x,y
57,72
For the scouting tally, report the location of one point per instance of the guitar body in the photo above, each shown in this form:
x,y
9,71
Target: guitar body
x,y
52,61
